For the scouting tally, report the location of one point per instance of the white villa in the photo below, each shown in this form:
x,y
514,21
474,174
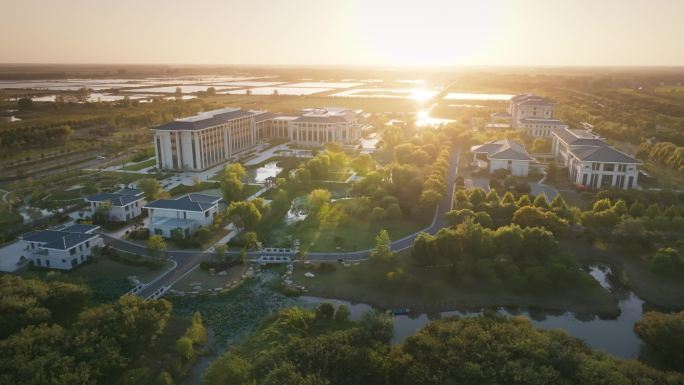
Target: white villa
x,y
529,113
591,162
62,248
199,142
187,213
122,205
502,154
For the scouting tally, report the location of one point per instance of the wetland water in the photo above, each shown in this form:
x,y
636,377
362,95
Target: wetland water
x,y
233,316
612,335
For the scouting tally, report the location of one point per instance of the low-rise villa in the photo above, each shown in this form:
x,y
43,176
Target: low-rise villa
x,y
592,162
62,248
187,213
121,206
502,154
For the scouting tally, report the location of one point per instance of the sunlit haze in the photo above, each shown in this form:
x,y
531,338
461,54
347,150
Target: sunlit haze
x,y
371,32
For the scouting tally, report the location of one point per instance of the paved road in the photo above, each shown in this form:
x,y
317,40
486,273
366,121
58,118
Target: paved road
x,y
187,259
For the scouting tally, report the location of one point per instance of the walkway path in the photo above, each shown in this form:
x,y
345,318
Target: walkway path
x,y
188,259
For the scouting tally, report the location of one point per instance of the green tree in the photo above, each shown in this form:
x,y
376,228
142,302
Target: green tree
x,y
24,104
382,251
286,374
362,164
663,335
377,214
184,348
244,214
342,314
228,369
151,189
232,188
250,239
318,199
325,311
541,202
156,246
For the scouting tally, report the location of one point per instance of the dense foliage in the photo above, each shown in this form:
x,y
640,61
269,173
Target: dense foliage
x,y
663,335
50,335
306,347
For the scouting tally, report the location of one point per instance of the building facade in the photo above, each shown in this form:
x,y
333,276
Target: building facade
x,y
186,214
62,248
121,206
502,154
531,114
325,125
214,137
591,162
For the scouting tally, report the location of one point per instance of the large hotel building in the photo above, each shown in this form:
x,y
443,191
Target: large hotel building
x,y
213,137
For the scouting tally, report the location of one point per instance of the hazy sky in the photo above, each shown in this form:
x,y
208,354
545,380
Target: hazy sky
x,y
365,32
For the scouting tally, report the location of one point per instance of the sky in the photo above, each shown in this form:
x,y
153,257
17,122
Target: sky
x,y
345,32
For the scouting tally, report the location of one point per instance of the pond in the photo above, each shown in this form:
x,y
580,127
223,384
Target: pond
x,y
418,94
615,336
370,142
269,170
423,119
281,90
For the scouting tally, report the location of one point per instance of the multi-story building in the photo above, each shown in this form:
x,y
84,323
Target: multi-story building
x,y
324,125
540,128
531,114
214,137
591,162
122,205
530,106
62,248
187,213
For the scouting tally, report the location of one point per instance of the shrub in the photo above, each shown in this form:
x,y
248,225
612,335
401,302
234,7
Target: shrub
x,y
142,233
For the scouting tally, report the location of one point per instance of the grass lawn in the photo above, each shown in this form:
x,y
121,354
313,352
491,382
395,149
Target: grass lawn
x,y
347,232
107,278
209,281
8,219
183,189
139,166
358,283
657,289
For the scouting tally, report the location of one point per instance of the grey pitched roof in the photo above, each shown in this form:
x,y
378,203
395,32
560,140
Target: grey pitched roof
x,y
117,199
43,236
577,136
190,202
205,120
263,116
130,191
69,240
79,228
553,122
531,99
500,115
503,149
62,239
604,154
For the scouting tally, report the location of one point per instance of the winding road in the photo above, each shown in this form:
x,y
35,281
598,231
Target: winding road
x,y
186,260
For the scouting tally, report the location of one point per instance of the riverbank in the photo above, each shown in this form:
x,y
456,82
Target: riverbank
x,y
355,283
658,291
